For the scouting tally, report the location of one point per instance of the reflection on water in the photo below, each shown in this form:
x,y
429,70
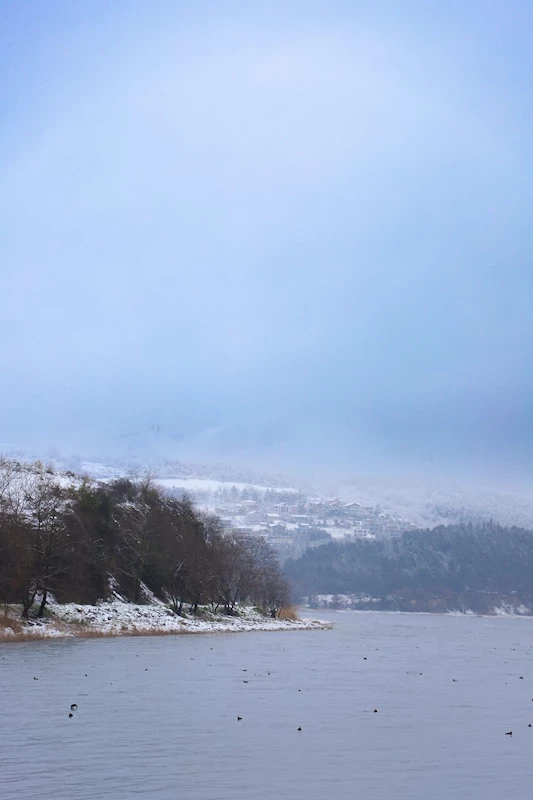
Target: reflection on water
x,y
157,716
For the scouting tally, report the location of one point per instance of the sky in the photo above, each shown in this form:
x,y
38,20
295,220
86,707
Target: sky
x,y
286,233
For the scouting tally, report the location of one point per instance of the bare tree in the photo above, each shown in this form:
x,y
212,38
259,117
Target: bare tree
x,y
50,544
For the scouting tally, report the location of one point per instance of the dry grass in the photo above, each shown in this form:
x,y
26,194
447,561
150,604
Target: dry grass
x,y
12,629
290,612
9,623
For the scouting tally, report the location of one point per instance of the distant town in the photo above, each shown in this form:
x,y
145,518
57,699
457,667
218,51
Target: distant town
x,y
257,504
290,521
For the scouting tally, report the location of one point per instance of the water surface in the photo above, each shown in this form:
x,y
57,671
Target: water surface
x,y
157,716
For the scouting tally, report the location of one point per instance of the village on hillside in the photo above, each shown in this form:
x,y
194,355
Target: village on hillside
x,y
290,521
286,517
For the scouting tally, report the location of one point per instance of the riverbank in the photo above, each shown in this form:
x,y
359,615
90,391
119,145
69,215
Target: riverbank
x,y
482,604
117,618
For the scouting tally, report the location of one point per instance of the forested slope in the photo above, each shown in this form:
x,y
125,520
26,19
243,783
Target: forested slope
x,y
457,566
82,541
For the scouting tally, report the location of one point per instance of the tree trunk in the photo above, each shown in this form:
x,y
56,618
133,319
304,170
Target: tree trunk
x,y
26,605
40,613
137,589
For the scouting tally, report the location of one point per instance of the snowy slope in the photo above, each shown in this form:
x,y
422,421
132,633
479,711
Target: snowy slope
x,y
443,502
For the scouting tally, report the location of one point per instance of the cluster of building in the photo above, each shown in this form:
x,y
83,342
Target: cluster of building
x,y
293,525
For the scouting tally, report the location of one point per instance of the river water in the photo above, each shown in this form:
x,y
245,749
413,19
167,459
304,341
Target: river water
x,y
157,716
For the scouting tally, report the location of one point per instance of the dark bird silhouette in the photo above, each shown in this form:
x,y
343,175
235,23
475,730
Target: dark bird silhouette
x,y
36,679
245,681
239,718
521,677
299,729
529,726
73,706
508,733
375,711
71,714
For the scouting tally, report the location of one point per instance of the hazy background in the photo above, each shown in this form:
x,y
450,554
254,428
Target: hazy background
x,y
288,233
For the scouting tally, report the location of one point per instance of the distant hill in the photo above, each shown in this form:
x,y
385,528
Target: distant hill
x,y
102,467
455,567
430,502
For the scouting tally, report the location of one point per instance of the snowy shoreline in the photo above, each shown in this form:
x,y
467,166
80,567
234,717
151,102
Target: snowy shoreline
x,y
117,618
499,613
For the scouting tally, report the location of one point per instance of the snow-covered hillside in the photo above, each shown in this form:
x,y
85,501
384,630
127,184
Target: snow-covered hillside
x,y
168,474
430,503
424,501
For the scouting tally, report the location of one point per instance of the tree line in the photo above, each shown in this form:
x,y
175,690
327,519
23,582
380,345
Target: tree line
x,y
427,569
83,541
233,494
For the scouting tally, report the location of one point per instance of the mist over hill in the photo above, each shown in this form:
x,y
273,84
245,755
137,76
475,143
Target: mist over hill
x,y
103,466
426,500
434,501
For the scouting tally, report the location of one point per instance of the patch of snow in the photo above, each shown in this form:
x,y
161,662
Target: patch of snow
x,y
117,617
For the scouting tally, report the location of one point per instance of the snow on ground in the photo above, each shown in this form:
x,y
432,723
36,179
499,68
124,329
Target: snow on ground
x,y
19,482
117,617
348,602
26,475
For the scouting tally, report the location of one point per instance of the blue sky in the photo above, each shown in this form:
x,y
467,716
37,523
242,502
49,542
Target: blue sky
x,y
286,232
